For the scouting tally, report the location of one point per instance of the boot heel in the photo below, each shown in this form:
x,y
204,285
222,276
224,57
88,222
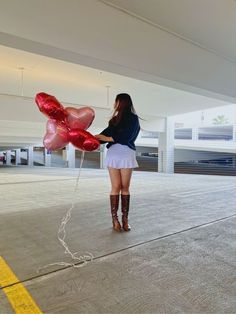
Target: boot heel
x,y
116,225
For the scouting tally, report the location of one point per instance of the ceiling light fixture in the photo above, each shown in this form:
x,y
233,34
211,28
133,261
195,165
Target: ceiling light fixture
x,y
108,95
22,80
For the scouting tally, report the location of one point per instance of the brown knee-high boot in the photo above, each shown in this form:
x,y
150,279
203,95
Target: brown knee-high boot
x,y
125,200
114,200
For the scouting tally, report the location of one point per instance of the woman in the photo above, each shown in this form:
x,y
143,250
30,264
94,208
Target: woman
x,y
120,135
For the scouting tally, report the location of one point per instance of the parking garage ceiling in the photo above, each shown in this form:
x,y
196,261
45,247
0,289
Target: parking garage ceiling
x,y
172,56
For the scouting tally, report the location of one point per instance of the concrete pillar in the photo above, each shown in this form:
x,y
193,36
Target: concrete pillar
x,y
234,132
70,155
47,157
166,148
8,158
195,133
30,156
234,160
103,151
17,156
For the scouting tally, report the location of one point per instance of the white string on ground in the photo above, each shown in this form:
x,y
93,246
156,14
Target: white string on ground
x,y
81,260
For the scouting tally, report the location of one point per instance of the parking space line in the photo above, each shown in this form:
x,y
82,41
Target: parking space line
x,y
185,194
18,296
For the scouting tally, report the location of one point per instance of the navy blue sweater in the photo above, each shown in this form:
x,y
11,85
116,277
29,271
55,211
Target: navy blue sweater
x,y
125,132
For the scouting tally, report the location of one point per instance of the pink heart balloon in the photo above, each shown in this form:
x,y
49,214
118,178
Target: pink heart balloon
x,y
79,118
56,137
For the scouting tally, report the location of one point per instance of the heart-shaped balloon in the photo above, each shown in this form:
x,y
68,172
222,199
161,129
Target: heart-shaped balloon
x,y
66,125
51,107
56,137
83,140
91,144
79,118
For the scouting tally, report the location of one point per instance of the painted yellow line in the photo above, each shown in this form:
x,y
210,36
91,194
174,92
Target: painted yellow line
x,y
18,296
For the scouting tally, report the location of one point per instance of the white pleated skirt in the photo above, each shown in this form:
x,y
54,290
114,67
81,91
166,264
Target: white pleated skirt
x,y
121,156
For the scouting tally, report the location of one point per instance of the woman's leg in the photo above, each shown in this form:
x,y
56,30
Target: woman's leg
x,y
125,180
125,197
115,178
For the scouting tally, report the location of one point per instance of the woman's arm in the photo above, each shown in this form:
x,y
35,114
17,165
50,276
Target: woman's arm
x,y
106,135
104,138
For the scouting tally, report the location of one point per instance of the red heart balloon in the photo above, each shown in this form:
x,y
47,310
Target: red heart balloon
x,y
91,144
83,140
79,118
50,106
56,137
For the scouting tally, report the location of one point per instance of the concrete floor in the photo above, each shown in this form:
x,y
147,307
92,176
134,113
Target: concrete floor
x,y
178,258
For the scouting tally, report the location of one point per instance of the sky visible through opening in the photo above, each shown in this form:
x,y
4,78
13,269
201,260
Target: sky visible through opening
x,y
206,117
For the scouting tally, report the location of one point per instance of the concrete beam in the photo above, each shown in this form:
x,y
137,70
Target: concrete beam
x,y
162,58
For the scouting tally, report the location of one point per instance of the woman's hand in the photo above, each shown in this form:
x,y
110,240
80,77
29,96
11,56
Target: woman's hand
x,y
104,138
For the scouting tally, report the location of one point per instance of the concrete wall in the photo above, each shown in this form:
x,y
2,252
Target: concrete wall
x,y
184,155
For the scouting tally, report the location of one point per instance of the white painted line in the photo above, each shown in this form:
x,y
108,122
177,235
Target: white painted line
x,y
203,191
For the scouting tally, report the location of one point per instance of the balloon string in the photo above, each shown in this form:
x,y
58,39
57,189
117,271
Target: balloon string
x,y
81,260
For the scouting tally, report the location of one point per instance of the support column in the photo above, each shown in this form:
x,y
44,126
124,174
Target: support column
x,y
17,156
30,156
234,160
234,132
8,158
70,155
166,148
195,133
47,157
103,151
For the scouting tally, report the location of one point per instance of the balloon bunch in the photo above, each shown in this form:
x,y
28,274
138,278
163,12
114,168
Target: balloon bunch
x,y
66,124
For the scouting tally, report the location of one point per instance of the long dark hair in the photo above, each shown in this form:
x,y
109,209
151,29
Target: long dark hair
x,y
124,107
